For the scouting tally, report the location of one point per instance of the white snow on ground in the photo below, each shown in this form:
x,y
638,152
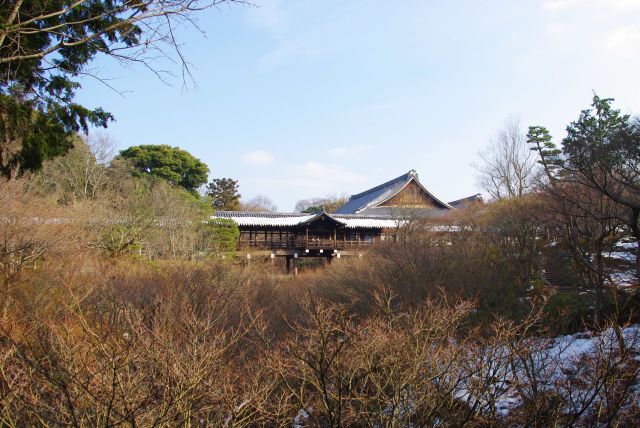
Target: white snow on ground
x,y
300,419
555,361
624,278
622,274
626,245
622,255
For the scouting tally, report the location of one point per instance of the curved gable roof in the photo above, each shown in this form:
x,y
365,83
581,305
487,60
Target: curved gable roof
x,y
383,192
254,219
323,216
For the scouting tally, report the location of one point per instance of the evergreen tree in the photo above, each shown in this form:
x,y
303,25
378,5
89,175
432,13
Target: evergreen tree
x,y
594,182
224,192
549,154
602,150
46,44
173,164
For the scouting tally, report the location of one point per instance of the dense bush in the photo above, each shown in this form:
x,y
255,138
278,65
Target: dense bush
x,y
119,309
144,343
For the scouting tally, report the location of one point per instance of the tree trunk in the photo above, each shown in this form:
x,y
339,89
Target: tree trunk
x,y
599,288
635,230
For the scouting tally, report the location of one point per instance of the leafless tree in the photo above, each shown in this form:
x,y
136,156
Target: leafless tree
x,y
81,173
515,227
589,222
112,31
329,203
102,146
508,168
30,229
260,204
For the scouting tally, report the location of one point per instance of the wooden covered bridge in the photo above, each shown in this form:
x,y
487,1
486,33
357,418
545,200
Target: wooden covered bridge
x,y
368,218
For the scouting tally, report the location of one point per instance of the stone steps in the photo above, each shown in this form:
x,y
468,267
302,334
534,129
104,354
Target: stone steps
x,y
557,273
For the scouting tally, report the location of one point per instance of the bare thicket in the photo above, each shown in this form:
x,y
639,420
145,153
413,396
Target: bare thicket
x,y
124,342
515,227
81,174
259,203
158,20
442,327
329,203
29,230
508,168
590,223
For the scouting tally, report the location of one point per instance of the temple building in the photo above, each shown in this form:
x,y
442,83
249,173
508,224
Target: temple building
x,y
367,218
402,194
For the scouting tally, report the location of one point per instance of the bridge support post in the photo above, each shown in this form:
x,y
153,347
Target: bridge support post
x,y
291,265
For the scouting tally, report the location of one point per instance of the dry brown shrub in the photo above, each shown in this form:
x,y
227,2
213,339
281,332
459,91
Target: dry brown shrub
x,y
34,232
373,341
393,369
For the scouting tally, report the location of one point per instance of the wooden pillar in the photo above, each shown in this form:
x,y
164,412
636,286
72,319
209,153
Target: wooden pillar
x,y
291,265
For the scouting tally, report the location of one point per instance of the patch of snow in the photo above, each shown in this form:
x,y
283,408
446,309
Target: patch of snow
x,y
624,278
383,223
242,218
300,419
626,246
622,255
555,361
626,243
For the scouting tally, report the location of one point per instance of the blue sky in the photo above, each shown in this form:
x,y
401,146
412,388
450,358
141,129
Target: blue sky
x,y
300,99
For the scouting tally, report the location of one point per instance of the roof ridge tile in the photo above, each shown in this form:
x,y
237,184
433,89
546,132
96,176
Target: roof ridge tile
x,y
404,177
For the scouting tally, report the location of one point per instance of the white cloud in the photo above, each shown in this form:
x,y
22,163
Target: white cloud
x,y
326,173
621,4
269,16
298,30
624,42
284,52
555,28
559,4
257,157
306,180
348,151
556,5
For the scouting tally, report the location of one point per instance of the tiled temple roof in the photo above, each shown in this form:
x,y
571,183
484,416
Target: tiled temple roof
x,y
365,201
461,203
361,211
246,218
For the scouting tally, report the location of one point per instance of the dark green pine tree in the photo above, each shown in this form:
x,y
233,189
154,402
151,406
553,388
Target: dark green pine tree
x,y
550,155
224,193
45,45
173,164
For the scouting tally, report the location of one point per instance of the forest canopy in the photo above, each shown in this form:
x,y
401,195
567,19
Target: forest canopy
x,y
47,46
173,164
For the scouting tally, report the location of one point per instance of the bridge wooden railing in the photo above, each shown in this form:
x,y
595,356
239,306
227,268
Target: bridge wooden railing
x,y
311,243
